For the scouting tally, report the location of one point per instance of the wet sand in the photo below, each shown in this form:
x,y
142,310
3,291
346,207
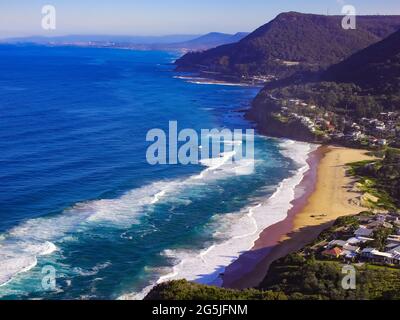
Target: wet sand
x,y
324,194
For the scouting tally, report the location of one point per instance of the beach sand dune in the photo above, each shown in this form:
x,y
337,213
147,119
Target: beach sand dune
x,y
325,194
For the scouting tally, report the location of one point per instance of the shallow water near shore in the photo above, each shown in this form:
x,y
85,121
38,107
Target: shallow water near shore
x,y
77,193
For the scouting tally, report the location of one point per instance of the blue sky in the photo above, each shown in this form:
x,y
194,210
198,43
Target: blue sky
x,y
161,17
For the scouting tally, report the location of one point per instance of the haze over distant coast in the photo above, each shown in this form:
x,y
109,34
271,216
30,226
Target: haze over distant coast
x,y
171,42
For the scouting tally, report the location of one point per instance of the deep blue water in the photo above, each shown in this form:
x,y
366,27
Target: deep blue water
x,y
73,171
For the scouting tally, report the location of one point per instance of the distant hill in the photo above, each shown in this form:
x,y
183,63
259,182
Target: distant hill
x,y
210,40
171,42
376,68
292,42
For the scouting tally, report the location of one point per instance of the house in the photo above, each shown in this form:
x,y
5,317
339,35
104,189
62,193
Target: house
x,y
353,240
351,248
394,239
383,257
336,243
368,252
374,255
391,246
356,240
350,252
363,231
335,252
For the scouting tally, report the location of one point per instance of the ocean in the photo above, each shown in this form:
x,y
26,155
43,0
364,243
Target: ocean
x,y
80,203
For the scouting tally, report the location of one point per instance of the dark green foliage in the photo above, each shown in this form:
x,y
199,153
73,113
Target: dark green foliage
x,y
317,279
376,69
344,99
184,290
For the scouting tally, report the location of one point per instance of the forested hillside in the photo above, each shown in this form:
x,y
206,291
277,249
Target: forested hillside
x,y
292,42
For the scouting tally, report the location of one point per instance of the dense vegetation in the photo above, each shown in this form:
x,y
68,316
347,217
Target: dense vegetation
x,y
375,69
184,290
347,99
383,177
309,278
295,278
292,42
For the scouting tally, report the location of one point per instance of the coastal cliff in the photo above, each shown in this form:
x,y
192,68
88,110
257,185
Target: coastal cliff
x,y
264,112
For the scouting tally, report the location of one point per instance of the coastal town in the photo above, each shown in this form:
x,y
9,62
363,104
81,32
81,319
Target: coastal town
x,y
366,238
327,126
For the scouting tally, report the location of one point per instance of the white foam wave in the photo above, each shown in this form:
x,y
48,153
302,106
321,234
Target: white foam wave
x,y
93,271
14,262
243,229
21,245
205,81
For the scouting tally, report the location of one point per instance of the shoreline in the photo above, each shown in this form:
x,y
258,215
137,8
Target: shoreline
x,y
211,262
279,238
198,79
312,211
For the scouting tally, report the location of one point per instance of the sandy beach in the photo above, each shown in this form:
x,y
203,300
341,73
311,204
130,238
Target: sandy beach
x,y
325,194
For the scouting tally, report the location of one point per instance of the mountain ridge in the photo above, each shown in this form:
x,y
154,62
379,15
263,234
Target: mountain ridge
x,y
290,43
376,68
